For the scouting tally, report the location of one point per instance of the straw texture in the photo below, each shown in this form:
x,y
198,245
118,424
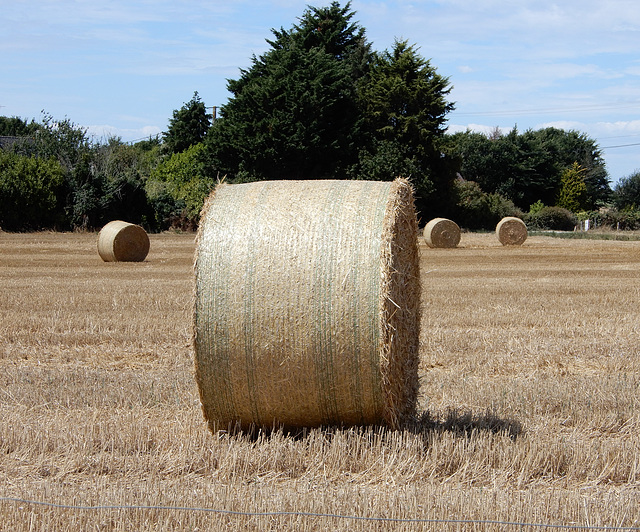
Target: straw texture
x,y
511,231
441,233
306,307
123,241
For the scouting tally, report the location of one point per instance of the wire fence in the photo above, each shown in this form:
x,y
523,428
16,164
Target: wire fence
x,y
515,524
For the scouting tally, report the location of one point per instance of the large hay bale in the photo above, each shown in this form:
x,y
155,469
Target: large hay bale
x,y
441,233
123,241
511,231
307,304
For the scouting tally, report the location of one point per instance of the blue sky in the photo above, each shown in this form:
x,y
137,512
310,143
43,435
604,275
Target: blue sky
x,y
121,67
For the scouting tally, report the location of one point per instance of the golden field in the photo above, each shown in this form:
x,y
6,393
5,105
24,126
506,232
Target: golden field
x,y
530,381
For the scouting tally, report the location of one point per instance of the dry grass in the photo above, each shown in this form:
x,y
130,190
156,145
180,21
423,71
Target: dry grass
x,y
530,380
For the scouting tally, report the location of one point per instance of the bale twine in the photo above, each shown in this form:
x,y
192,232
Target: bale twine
x,y
511,231
441,233
306,305
122,241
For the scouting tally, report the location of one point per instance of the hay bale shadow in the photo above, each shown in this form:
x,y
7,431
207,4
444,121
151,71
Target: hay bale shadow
x,y
465,423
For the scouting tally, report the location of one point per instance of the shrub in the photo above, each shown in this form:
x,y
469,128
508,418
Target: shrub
x,y
625,219
29,190
627,192
185,180
536,207
478,210
552,218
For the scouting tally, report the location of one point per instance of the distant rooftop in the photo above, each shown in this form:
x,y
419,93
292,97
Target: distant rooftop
x,y
6,141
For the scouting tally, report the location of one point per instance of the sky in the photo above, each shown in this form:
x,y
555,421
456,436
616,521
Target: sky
x,y
121,67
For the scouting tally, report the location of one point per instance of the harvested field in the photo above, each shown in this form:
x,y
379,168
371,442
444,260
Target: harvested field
x,y
530,383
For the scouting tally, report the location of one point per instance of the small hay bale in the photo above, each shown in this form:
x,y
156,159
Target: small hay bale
x,y
307,304
123,241
511,231
441,233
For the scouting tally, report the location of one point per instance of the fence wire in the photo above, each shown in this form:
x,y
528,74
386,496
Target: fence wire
x,y
521,525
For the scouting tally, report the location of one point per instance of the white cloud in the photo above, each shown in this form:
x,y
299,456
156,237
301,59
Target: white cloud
x,y
527,62
477,128
103,132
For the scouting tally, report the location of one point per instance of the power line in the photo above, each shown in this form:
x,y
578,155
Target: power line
x,y
620,136
621,146
513,112
317,515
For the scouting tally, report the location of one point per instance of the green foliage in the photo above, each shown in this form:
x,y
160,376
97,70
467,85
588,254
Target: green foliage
x,y
29,189
404,107
16,127
552,218
385,160
627,192
69,145
99,182
478,210
125,170
528,167
188,126
178,185
108,182
61,139
293,114
403,98
627,219
536,207
573,189
331,30
84,195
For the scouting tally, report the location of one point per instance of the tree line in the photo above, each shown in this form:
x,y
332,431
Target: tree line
x,y
320,103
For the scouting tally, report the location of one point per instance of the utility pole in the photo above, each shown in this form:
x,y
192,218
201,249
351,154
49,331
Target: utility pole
x,y
214,112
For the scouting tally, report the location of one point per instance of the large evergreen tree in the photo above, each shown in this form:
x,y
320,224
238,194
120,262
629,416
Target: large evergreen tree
x,y
320,104
294,112
187,127
404,107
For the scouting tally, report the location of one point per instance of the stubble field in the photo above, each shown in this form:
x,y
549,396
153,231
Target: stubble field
x,y
530,381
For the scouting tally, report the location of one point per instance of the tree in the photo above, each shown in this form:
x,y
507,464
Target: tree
x,y
61,139
626,194
477,209
528,167
182,178
294,112
29,188
69,144
558,150
187,127
16,127
403,100
573,189
487,160
123,170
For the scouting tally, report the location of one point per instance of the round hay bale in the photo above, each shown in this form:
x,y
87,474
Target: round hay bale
x,y
511,231
441,233
307,304
123,241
